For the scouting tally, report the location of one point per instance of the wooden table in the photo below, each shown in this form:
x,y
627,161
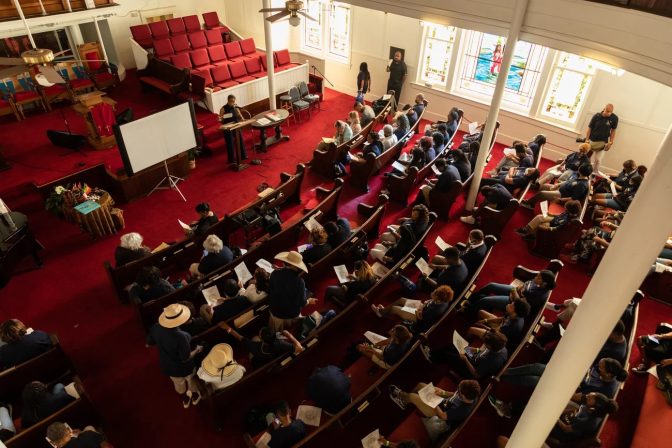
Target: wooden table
x,y
95,219
281,116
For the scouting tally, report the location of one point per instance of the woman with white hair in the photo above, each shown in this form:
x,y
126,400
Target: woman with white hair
x,y
389,139
215,255
130,249
401,125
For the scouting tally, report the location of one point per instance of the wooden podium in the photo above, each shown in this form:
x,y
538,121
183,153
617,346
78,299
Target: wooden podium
x,y
83,108
235,128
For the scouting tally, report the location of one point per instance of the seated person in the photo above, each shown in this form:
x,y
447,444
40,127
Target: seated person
x,y
19,344
576,189
388,352
219,368
449,414
402,444
653,348
233,303
567,167
60,435
401,125
534,147
622,200
373,146
411,114
437,146
418,223
343,132
443,130
460,161
257,288
418,160
514,178
130,249
390,253
318,246
419,104
591,240
329,388
495,196
453,273
267,346
388,138
616,346
7,428
449,175
39,403
582,420
628,172
367,113
286,432
511,324
195,325
353,122
424,314
475,363
149,285
215,255
535,291
207,218
476,137
360,281
550,222
451,123
522,157
471,151
472,255
337,231
604,377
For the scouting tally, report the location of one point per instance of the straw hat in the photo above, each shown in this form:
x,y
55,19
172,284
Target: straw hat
x,y
294,258
219,362
174,315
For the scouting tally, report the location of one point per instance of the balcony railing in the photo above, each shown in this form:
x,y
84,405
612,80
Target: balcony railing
x,y
658,7
32,8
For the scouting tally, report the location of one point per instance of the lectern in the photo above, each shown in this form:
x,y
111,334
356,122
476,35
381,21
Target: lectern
x,y
236,128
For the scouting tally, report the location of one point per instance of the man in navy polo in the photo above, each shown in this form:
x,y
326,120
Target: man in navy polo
x,y
601,133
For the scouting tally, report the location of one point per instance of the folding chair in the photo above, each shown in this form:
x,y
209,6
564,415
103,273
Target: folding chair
x,y
297,102
307,96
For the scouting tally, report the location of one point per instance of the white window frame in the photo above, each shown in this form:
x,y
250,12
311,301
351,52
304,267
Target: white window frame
x,y
326,14
420,78
304,25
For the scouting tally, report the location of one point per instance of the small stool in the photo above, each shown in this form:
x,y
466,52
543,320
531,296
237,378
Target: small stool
x,y
286,103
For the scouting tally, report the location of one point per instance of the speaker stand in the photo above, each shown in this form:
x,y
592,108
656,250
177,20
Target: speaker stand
x,y
171,181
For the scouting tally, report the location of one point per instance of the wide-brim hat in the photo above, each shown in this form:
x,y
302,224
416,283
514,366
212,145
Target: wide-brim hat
x,y
294,258
174,315
219,362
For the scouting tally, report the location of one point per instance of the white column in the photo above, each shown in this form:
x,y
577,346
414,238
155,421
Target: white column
x,y
493,113
268,34
626,263
100,39
25,24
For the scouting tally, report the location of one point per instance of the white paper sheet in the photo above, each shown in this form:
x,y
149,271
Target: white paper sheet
x,y
242,273
441,243
211,295
435,169
562,330
265,265
429,397
71,390
302,248
379,270
263,121
459,342
310,415
544,208
473,126
405,157
342,273
398,166
374,338
612,186
386,96
423,266
183,225
378,253
371,441
653,371
509,152
317,317
265,192
516,283
409,309
312,224
662,268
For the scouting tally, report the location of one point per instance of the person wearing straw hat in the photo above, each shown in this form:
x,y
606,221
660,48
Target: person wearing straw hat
x,y
287,291
219,369
176,357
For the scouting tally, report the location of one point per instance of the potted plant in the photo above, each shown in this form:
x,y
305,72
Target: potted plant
x,y
54,202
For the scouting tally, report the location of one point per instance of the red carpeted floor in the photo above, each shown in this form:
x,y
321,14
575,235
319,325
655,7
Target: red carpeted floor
x,y
71,295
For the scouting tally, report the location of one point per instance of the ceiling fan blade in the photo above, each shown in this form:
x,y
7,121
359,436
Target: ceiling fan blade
x,y
278,16
51,75
12,71
11,61
307,16
272,9
67,50
72,61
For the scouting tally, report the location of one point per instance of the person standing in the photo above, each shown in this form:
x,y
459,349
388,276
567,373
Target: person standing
x,y
230,113
398,72
363,81
601,133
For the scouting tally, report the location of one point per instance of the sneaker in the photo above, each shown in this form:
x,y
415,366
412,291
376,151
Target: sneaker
x,y
426,352
503,409
376,310
195,398
395,396
468,220
521,231
641,368
526,204
186,402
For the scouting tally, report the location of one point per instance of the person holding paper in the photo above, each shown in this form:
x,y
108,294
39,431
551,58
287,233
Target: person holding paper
x,y
388,352
287,293
257,288
411,114
398,250
567,167
60,435
452,118
329,388
373,145
511,324
418,223
514,178
20,343
318,246
130,249
360,281
207,218
150,285
461,162
398,71
622,200
230,113
550,222
472,253
389,138
39,402
233,303
286,432
496,196
596,238
267,346
653,348
481,362
453,408
422,314
498,295
520,157
576,189
337,231
453,274
215,256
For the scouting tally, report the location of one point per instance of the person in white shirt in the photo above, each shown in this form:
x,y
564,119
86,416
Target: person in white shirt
x,y
218,369
353,121
389,139
257,289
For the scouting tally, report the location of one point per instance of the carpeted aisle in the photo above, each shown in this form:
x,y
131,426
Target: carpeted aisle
x,y
71,295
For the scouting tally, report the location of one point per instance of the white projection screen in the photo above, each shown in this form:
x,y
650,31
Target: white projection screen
x,y
157,137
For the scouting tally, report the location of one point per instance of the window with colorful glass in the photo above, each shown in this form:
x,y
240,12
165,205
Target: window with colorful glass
x,y
436,53
568,88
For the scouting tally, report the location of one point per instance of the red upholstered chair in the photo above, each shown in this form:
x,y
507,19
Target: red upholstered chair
x,y
191,23
29,95
239,73
196,90
198,40
283,59
81,83
214,37
180,43
176,26
263,63
200,59
249,49
100,72
217,55
7,107
253,67
205,74
181,60
222,77
163,49
54,94
212,22
233,51
159,29
142,35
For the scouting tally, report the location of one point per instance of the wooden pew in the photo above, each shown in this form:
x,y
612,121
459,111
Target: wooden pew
x,y
163,76
658,285
324,159
362,169
400,186
179,255
18,245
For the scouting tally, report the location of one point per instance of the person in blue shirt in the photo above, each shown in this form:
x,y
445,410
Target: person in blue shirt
x,y
215,255
287,293
286,432
374,145
401,125
497,295
21,344
454,273
337,231
426,313
478,363
495,196
388,352
583,418
550,222
621,201
511,324
568,166
419,105
513,179
449,175
522,157
453,410
576,189
329,388
460,161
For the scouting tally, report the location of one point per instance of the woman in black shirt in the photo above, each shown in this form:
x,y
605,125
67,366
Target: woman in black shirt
x,y
361,280
387,353
319,246
39,403
363,80
130,249
206,220
150,285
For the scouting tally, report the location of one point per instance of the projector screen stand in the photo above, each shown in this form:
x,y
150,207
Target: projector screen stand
x,y
172,183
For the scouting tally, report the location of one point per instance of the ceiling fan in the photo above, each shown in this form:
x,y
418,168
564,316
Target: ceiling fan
x,y
291,11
